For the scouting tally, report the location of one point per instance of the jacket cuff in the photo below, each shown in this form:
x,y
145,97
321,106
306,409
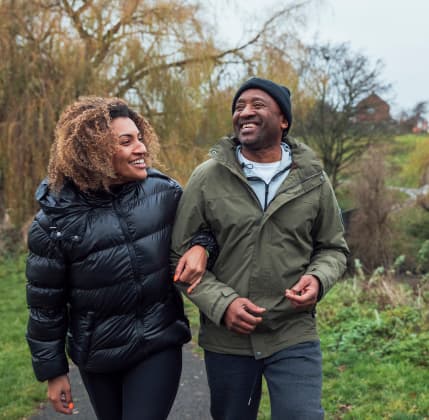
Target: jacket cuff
x,y
221,306
321,290
206,239
50,369
322,287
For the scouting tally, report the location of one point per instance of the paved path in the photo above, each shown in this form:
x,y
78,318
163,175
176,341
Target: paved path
x,y
192,401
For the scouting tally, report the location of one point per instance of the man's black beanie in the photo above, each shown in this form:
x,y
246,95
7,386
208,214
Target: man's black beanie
x,y
280,94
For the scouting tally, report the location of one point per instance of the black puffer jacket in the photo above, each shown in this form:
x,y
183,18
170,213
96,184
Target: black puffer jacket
x,y
98,273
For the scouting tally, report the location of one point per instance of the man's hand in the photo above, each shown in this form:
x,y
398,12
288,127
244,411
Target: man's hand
x,y
305,292
242,316
191,267
59,394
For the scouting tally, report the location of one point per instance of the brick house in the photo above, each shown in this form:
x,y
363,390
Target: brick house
x,y
373,109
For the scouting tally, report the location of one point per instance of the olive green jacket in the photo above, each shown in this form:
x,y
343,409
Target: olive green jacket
x,y
261,253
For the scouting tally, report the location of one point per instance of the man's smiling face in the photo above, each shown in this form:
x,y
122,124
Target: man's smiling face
x,y
257,120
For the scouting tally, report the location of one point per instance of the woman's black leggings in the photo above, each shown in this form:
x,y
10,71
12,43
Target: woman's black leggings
x,y
144,392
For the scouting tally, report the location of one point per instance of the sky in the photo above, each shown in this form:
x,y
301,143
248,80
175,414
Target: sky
x,y
394,31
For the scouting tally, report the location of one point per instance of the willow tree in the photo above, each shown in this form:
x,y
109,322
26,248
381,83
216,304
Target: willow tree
x,y
161,56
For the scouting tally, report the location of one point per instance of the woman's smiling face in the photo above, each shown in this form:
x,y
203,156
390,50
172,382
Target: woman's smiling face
x,y
128,161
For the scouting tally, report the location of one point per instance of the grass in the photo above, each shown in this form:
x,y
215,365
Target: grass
x,y
376,357
16,376
375,351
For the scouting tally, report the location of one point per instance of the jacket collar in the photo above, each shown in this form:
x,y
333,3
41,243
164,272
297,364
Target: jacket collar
x,y
71,198
304,160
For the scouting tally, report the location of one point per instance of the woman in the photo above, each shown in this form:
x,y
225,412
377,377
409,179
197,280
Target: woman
x,y
98,270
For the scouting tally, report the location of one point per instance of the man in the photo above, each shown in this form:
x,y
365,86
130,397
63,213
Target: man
x,y
274,214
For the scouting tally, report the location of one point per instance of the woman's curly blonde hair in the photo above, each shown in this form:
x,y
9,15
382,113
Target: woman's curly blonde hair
x,y
84,143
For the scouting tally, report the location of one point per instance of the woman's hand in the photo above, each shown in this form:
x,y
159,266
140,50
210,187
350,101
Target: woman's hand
x,y
191,267
59,394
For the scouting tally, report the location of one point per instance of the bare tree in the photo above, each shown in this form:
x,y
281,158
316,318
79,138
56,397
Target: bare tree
x,y
336,79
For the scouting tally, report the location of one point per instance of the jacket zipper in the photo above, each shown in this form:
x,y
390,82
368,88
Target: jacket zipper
x,y
267,185
126,233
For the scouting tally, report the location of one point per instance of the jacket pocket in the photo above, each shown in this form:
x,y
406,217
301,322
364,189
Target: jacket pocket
x,y
80,338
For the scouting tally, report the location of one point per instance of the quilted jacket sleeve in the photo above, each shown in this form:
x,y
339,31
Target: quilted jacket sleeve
x,y
46,273
206,239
